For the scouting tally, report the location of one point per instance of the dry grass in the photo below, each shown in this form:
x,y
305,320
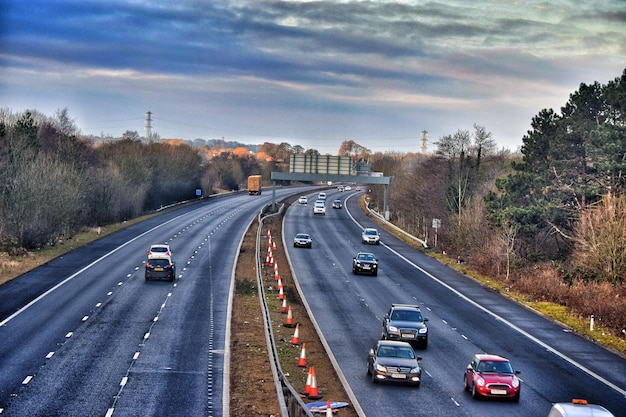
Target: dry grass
x,y
12,266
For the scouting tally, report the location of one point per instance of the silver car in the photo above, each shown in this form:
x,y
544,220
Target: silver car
x,y
370,235
302,240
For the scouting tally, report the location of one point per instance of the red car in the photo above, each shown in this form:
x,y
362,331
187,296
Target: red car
x,y
491,376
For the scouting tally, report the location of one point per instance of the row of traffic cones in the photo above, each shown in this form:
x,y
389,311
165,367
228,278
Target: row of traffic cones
x,y
310,390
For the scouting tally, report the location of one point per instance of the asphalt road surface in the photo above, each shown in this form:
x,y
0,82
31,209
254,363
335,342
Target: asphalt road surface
x,y
464,318
86,335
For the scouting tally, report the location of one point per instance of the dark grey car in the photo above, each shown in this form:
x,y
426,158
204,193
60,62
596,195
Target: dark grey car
x,y
405,322
160,268
394,361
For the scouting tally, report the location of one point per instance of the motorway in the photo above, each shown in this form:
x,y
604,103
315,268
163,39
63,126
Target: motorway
x,y
86,335
464,318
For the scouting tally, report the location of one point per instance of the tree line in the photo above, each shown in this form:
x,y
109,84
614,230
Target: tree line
x,y
555,209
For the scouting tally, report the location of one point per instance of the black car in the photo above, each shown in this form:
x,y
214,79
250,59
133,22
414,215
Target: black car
x,y
405,322
365,263
394,361
337,204
160,268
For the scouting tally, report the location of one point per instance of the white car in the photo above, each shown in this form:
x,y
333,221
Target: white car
x,y
579,408
303,200
319,208
370,235
321,196
160,251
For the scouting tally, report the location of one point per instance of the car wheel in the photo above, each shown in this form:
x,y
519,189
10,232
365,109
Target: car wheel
x,y
516,398
375,273
465,384
475,394
416,385
373,378
147,279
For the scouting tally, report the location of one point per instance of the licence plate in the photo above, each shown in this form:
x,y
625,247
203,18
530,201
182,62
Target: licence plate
x,y
158,269
407,336
498,392
398,376
366,267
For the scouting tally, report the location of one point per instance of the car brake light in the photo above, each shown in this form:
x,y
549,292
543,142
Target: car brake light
x,y
579,401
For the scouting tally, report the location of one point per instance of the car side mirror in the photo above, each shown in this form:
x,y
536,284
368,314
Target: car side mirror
x,y
425,319
469,368
419,358
518,372
371,352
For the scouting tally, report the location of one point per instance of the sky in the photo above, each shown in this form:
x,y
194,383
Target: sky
x,y
308,73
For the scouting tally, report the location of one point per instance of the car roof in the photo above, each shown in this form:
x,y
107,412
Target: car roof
x,y
581,410
302,234
159,246
405,306
490,357
392,343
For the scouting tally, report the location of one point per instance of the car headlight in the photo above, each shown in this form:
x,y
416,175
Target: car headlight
x,y
480,381
380,368
515,382
393,329
423,331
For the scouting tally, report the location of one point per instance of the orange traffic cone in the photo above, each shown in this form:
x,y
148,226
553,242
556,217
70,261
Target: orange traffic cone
x,y
302,360
295,339
289,321
329,409
271,259
267,259
314,393
279,284
307,386
275,267
269,235
276,275
283,308
281,293
273,245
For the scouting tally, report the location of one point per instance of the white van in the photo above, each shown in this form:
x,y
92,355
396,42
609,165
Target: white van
x,y
579,408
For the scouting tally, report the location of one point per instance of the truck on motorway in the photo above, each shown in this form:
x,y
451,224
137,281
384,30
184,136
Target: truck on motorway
x,y
254,184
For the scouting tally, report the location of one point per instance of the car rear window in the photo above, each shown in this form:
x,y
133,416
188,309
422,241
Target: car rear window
x,y
160,262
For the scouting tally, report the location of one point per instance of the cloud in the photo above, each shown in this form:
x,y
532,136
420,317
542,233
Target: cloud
x,y
309,70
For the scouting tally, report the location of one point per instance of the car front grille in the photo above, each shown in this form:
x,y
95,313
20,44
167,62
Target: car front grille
x,y
499,386
399,369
